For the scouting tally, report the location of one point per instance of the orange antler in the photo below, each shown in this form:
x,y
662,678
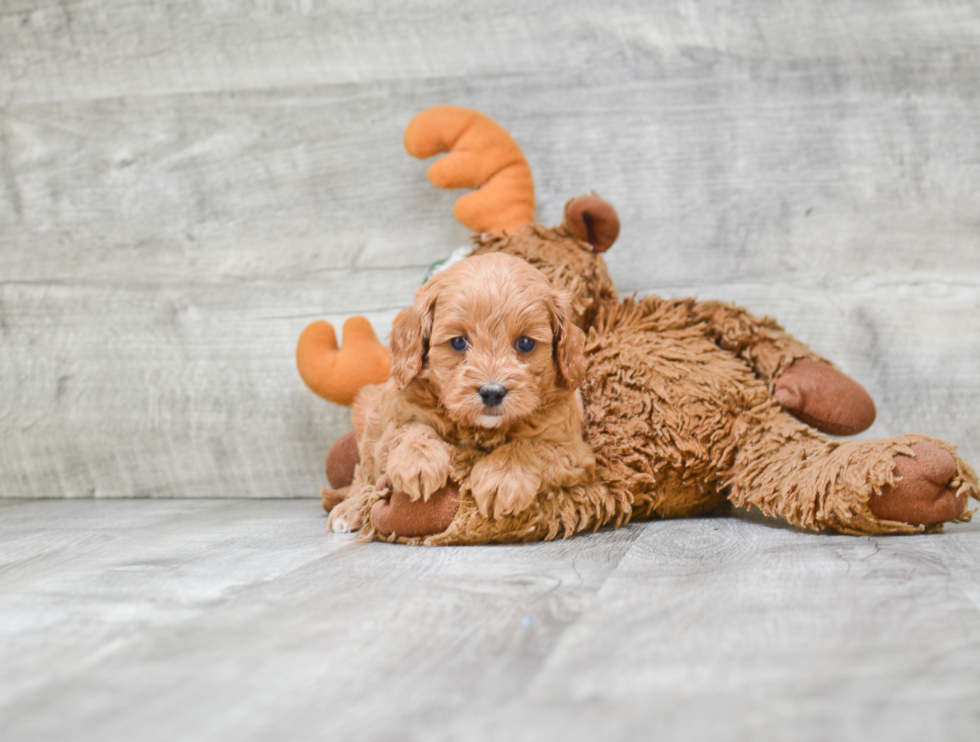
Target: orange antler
x,y
481,155
339,374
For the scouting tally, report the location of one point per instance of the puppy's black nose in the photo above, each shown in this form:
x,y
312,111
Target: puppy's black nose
x,y
492,394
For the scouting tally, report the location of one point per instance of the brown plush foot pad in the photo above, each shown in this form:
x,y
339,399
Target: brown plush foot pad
x,y
819,395
342,458
922,497
404,517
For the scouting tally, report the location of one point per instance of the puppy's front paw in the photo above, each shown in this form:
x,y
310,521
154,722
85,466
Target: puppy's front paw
x,y
501,484
419,467
345,517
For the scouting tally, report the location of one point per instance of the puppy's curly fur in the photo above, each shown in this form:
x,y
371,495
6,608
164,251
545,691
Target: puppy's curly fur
x,y
488,322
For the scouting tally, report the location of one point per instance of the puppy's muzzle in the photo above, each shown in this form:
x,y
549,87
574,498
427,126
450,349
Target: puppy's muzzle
x,y
492,394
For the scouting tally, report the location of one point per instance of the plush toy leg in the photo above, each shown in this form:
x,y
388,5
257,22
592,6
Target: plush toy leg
x,y
897,485
759,341
342,460
820,395
403,517
451,516
805,384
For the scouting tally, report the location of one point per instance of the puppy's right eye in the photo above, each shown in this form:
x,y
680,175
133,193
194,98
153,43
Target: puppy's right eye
x,y
525,345
458,344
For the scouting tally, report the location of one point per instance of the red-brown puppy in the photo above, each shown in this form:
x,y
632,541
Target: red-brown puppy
x,y
486,357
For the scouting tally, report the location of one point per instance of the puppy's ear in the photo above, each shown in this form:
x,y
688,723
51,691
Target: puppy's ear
x,y
569,343
410,336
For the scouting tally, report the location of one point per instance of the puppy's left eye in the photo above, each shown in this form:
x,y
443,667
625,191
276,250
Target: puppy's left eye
x,y
458,344
525,345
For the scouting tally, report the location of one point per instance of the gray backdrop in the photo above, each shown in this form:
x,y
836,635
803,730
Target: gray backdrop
x,y
184,185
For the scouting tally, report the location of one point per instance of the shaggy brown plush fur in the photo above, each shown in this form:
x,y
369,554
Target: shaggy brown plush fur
x,y
565,262
681,424
681,415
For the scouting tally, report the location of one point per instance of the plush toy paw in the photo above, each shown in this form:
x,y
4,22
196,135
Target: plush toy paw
x,y
924,495
818,394
419,467
401,515
499,483
342,459
345,517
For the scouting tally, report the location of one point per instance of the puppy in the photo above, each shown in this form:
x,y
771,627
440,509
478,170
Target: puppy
x,y
486,357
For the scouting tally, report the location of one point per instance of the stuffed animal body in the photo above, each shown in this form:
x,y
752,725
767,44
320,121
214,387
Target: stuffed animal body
x,y
688,404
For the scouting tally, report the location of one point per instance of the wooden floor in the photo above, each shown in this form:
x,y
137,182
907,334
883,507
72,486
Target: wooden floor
x,y
248,620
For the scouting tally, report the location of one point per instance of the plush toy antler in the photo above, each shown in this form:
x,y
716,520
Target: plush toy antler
x,y
338,374
481,155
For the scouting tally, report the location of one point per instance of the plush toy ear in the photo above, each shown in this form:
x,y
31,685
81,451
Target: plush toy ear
x,y
410,335
592,220
569,343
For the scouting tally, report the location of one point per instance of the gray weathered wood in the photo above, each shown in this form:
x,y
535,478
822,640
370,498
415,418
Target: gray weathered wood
x,y
70,49
719,629
216,620
184,185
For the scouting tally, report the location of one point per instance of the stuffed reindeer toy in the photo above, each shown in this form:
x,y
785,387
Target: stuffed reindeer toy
x,y
684,404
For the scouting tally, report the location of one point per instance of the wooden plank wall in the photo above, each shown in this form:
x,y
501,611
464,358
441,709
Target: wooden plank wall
x,y
185,184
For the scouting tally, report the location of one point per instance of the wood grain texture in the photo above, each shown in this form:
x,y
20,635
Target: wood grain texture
x,y
212,619
216,620
184,185
722,629
69,49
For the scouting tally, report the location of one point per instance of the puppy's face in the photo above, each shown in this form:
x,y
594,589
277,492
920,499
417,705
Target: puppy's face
x,y
492,338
